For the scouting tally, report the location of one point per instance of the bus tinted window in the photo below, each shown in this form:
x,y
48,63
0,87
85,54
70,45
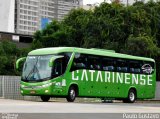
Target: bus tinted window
x,y
135,66
94,62
79,62
108,64
60,65
84,61
121,65
104,63
65,60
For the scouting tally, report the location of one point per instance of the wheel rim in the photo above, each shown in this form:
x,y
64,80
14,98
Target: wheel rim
x,y
72,94
132,96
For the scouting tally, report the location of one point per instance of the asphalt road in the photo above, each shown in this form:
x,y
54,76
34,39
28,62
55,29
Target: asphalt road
x,y
65,110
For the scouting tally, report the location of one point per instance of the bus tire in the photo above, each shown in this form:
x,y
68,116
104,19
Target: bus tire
x,y
131,96
45,98
71,94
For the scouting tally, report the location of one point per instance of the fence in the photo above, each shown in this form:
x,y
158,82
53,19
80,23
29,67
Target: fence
x,y
10,89
157,97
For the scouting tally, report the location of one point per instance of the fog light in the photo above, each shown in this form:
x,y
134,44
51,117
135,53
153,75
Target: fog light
x,y
46,91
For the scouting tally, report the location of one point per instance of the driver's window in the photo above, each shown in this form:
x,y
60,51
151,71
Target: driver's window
x,y
60,65
57,68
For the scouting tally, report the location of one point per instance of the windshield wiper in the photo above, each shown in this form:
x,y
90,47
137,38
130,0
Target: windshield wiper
x,y
31,70
26,77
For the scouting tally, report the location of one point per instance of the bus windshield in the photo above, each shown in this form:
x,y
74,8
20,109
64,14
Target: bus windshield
x,y
36,68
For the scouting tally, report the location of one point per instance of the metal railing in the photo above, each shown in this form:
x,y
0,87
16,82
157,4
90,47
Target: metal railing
x,y
10,89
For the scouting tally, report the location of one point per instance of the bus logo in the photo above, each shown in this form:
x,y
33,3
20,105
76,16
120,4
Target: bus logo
x,y
147,68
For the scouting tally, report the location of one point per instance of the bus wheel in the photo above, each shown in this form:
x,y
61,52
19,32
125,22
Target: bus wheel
x,y
45,98
131,96
71,94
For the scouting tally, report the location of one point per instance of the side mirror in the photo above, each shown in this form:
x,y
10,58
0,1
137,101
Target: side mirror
x,y
18,62
52,60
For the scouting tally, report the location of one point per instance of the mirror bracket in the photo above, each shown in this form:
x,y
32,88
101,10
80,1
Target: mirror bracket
x,y
18,61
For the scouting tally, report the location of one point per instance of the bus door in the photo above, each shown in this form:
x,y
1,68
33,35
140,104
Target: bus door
x,y
79,73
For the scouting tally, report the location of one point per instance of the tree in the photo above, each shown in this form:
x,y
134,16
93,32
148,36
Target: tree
x,y
3,59
141,46
8,56
53,35
133,29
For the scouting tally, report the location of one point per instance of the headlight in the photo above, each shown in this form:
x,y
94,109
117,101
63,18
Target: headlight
x,y
22,86
46,85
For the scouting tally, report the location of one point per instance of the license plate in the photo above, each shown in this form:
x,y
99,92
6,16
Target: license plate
x,y
32,92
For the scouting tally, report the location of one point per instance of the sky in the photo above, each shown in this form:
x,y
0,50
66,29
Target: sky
x,y
91,1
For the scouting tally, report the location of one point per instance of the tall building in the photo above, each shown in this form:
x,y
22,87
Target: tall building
x,y
7,15
64,6
32,15
27,16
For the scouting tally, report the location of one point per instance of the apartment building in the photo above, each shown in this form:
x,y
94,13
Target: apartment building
x,y
32,15
7,15
27,16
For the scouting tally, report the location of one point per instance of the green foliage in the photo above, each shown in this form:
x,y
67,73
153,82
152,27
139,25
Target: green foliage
x,y
53,35
131,29
143,45
8,56
3,58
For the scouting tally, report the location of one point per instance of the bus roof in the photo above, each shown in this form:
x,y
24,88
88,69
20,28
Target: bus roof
x,y
93,51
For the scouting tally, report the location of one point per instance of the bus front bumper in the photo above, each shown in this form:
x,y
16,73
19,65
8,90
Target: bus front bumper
x,y
36,92
47,89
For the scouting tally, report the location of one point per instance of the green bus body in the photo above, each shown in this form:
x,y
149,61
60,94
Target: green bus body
x,y
93,83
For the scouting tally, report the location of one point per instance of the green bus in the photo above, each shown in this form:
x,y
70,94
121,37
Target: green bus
x,y
71,72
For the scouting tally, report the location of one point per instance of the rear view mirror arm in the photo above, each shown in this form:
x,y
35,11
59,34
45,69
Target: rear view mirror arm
x,y
18,61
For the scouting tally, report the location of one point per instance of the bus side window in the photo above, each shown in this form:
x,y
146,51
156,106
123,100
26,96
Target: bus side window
x,y
118,68
110,68
94,62
65,60
79,62
135,66
122,65
124,69
57,69
108,64
79,65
